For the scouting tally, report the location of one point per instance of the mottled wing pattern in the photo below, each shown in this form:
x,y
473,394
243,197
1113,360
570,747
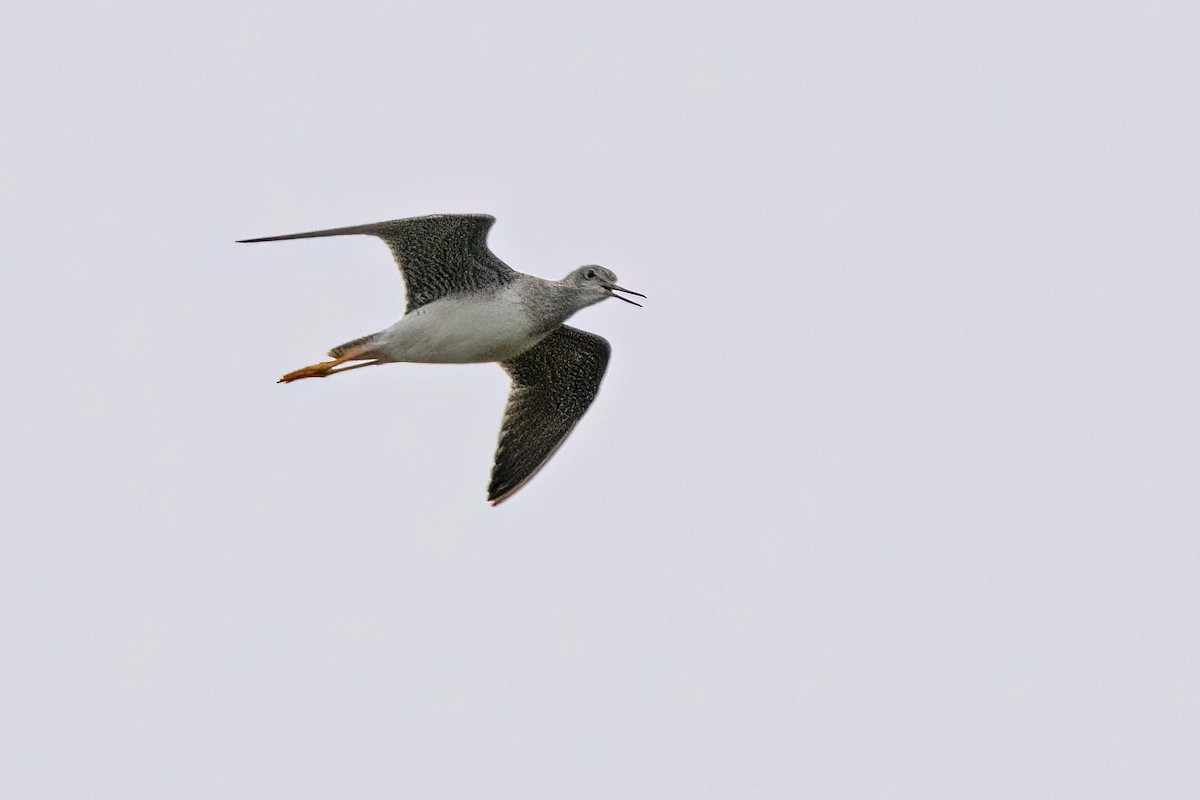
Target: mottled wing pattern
x,y
553,383
438,255
444,255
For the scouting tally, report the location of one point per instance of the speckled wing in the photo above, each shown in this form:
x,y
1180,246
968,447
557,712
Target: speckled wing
x,y
438,255
553,383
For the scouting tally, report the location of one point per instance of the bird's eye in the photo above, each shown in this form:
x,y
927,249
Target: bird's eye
x,y
591,273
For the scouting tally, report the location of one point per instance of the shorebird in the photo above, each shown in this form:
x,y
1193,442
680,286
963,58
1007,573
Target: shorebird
x,y
466,306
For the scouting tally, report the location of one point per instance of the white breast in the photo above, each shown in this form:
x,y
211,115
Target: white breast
x,y
463,331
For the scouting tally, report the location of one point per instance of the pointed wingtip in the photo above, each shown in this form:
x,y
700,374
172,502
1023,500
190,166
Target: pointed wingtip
x,y
496,495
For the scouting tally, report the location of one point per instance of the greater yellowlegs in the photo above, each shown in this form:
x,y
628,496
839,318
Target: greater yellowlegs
x,y
466,306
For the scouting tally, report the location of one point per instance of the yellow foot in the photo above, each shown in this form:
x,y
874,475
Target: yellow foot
x,y
311,371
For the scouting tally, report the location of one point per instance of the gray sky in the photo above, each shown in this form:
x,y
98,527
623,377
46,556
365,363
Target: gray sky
x,y
890,491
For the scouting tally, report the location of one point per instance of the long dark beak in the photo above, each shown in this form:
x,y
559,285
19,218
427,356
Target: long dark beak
x,y
614,288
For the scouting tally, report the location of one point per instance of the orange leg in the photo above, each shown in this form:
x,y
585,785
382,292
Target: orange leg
x,y
323,369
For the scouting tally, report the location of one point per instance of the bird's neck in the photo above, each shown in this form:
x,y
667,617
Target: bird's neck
x,y
551,303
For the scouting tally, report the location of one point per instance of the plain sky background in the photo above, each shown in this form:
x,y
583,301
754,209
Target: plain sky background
x,y
892,489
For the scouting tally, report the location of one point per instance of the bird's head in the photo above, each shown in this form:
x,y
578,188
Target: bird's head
x,y
601,281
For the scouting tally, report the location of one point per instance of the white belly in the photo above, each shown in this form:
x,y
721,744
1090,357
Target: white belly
x,y
457,331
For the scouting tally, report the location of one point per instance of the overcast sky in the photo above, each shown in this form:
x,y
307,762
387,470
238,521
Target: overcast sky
x,y
892,489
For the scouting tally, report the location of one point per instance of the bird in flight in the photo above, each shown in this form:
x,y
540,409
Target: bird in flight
x,y
466,306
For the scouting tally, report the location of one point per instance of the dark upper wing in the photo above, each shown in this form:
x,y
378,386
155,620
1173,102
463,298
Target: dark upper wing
x,y
438,255
553,383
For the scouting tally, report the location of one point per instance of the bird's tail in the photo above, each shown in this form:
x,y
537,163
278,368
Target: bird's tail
x,y
362,344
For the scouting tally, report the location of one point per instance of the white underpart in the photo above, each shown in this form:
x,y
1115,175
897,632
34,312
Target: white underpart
x,y
457,330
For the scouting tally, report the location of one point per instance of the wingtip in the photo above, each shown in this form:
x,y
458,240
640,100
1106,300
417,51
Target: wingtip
x,y
497,495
